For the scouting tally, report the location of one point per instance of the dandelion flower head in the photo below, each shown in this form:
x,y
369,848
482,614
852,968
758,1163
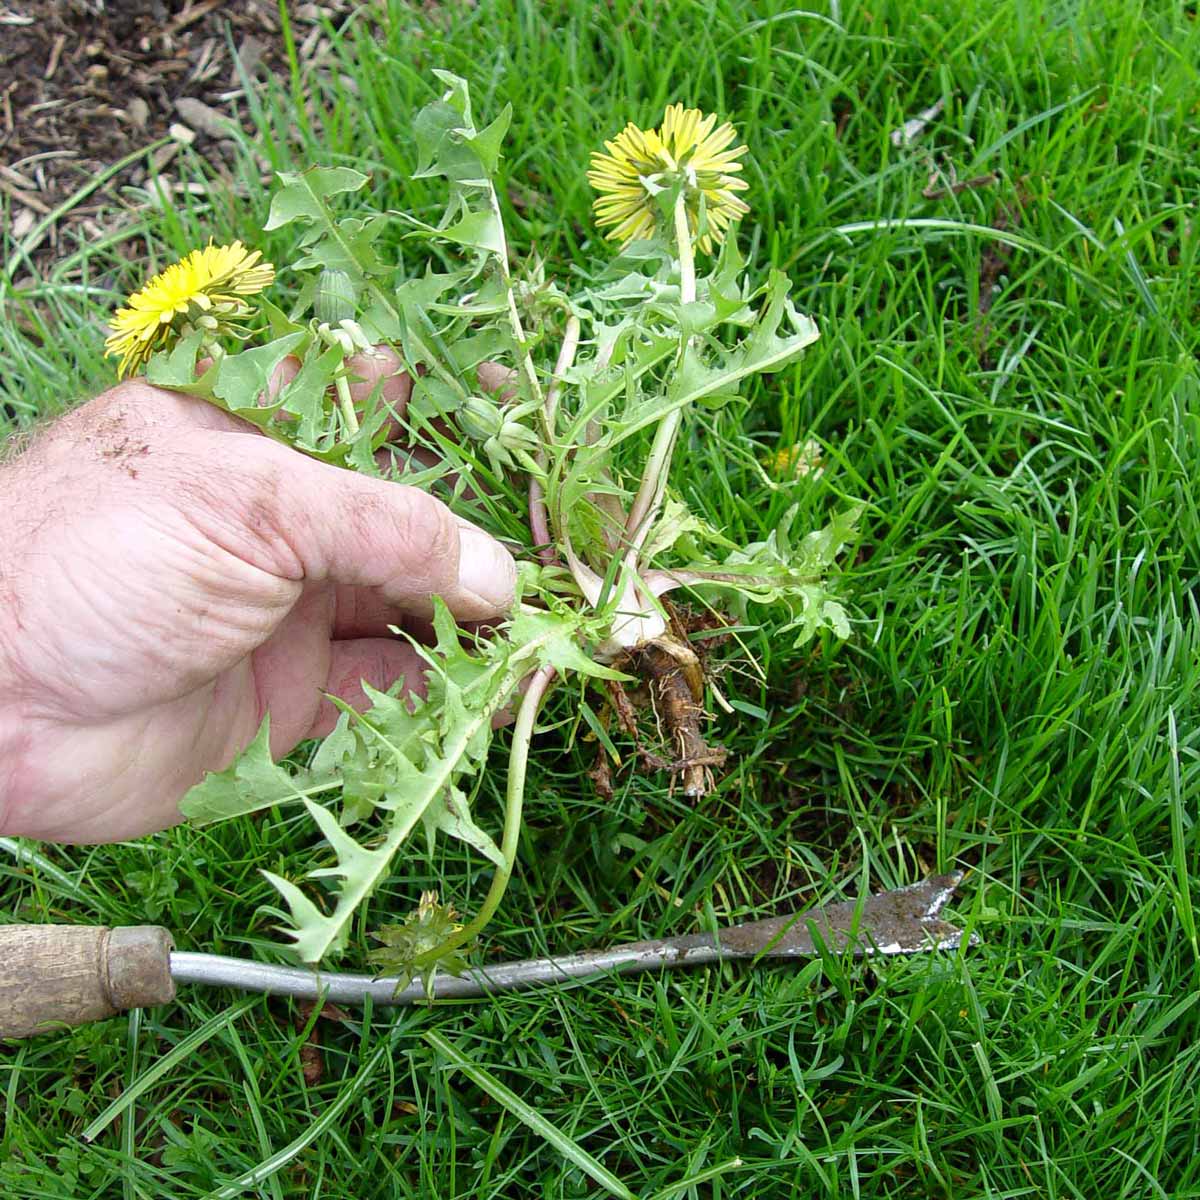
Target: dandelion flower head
x,y
210,283
688,150
796,461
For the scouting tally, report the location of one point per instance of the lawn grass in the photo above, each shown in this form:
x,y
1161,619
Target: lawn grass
x,y
1007,378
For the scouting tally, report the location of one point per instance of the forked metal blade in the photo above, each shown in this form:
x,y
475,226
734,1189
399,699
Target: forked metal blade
x,y
903,921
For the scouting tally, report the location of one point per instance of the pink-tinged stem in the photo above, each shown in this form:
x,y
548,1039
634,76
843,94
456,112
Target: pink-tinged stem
x,y
539,524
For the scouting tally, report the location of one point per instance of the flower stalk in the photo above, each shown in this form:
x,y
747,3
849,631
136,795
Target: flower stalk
x,y
518,764
346,403
539,516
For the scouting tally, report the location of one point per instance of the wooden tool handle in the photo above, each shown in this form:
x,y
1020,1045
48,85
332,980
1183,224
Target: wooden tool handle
x,y
53,975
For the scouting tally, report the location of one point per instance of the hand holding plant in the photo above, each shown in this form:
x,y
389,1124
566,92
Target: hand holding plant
x,y
574,466
173,573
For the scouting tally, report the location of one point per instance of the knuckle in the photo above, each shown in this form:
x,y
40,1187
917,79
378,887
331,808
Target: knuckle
x,y
427,543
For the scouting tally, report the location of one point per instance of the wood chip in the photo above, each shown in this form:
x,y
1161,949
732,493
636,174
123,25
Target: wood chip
x,y
161,188
55,54
23,222
192,14
138,112
208,64
181,133
203,118
23,197
308,47
46,155
249,54
17,179
164,154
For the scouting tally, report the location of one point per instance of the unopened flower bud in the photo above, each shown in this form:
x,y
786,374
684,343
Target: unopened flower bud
x,y
480,418
336,300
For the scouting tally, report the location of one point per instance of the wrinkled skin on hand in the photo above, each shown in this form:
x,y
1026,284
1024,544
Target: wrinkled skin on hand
x,y
169,575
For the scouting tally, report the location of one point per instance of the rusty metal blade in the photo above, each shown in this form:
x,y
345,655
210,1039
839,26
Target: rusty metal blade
x,y
902,921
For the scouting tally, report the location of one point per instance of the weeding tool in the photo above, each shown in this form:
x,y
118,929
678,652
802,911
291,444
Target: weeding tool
x,y
54,975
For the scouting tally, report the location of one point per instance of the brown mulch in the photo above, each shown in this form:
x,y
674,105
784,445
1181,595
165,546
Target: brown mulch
x,y
85,83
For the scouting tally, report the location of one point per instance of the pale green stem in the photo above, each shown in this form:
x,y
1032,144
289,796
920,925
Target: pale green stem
x,y
687,258
518,761
654,477
539,516
346,403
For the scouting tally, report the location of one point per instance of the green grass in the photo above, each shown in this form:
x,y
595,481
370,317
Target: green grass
x,y
1019,696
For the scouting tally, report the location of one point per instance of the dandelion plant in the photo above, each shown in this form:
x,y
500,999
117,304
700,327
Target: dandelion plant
x,y
605,370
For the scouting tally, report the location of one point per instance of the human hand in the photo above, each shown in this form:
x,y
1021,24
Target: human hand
x,y
169,574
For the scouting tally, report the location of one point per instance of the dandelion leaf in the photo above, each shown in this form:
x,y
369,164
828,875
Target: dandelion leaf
x,y
786,571
304,193
252,782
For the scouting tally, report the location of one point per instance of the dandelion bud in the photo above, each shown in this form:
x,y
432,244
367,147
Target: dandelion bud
x,y
336,300
480,418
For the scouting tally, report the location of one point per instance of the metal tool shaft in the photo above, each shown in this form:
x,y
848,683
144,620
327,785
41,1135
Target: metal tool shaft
x,y
56,975
903,921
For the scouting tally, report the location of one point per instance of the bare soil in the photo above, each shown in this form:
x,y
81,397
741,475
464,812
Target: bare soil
x,y
87,83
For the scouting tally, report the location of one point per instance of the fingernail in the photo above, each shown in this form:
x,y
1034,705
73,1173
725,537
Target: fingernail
x,y
486,572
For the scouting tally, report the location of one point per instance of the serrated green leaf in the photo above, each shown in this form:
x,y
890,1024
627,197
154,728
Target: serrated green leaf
x,y
439,131
487,142
303,193
774,571
177,369
778,337
334,748
556,638
243,379
458,94
490,345
676,524
417,755
452,816
479,231
306,396
252,782
352,249
303,911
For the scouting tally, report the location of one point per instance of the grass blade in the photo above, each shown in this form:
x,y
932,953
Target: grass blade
x,y
168,1062
508,1099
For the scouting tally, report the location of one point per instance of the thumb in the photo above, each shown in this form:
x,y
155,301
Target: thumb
x,y
301,519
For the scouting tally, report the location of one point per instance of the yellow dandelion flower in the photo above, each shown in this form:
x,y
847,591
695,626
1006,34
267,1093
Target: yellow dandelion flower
x,y
208,283
689,150
797,461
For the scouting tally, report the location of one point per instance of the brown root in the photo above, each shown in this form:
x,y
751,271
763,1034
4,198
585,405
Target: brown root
x,y
600,773
676,681
670,679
